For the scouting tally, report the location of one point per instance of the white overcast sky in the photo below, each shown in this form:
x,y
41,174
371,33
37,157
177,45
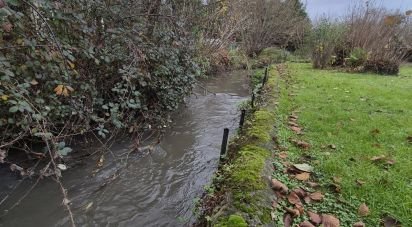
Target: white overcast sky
x,y
316,8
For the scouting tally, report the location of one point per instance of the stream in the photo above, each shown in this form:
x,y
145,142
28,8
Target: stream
x,y
157,188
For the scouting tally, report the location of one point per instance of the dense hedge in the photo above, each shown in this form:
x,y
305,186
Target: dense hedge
x,y
77,66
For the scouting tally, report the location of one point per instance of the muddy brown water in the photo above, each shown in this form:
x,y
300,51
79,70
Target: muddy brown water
x,y
157,188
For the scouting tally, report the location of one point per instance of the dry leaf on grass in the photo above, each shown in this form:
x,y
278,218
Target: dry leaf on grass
x,y
304,167
294,124
283,155
275,204
303,176
359,224
390,222
293,198
330,221
300,192
360,182
314,218
306,224
313,184
293,211
287,220
279,186
363,210
316,196
378,158
296,129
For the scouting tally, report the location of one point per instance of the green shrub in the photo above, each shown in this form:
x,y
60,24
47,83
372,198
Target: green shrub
x,y
357,58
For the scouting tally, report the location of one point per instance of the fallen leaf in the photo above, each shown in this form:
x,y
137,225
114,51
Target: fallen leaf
x,y
294,212
391,162
316,196
332,146
300,208
330,221
300,192
287,220
378,158
59,89
314,218
296,129
279,186
275,204
306,224
360,182
307,199
293,198
363,210
283,155
303,176
293,116
313,184
34,82
304,167
390,222
294,124
359,224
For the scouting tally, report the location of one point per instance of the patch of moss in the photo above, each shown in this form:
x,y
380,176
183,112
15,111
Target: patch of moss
x,y
246,172
233,221
262,126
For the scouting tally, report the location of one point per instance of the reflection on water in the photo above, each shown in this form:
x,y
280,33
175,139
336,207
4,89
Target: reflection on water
x,y
156,189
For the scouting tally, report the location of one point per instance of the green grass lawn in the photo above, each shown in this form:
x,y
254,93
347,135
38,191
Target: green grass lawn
x,y
363,116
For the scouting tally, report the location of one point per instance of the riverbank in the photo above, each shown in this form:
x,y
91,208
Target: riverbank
x,y
324,147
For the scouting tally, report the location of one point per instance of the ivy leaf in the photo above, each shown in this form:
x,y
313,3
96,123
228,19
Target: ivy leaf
x,y
13,109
